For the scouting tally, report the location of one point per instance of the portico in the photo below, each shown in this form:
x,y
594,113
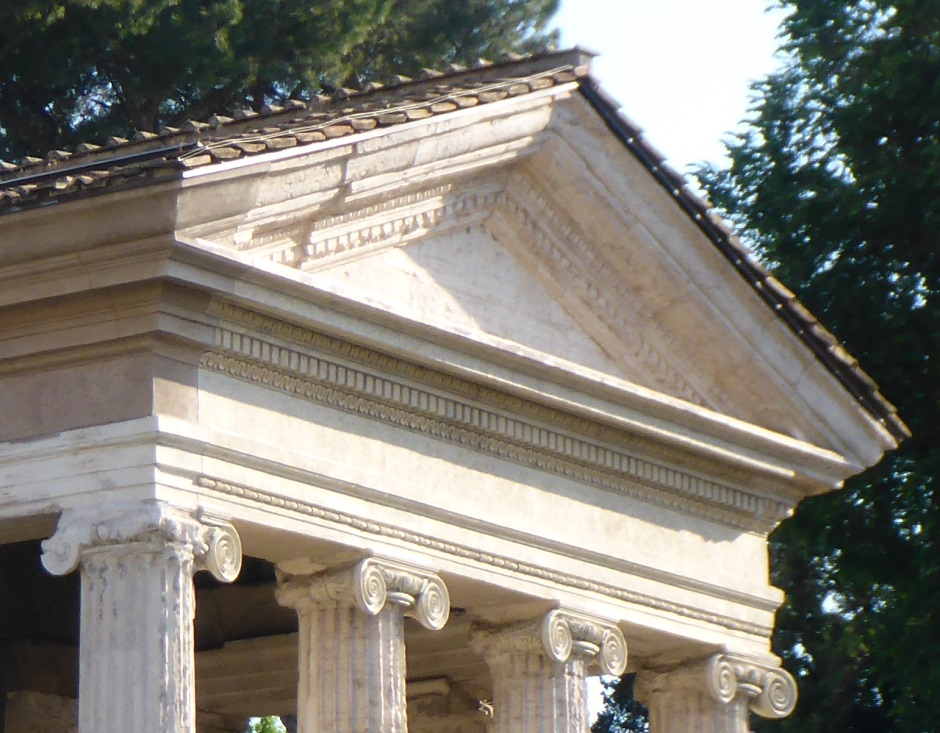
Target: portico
x,y
480,396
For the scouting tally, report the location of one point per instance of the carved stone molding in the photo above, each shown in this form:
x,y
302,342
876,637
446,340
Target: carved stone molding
x,y
351,646
329,239
585,273
371,585
769,692
214,544
558,635
313,377
136,657
308,509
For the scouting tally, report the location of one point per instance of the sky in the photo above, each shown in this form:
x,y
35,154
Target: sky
x,y
680,68
682,71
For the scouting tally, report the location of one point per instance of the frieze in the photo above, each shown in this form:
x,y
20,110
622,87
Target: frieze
x,y
309,509
346,387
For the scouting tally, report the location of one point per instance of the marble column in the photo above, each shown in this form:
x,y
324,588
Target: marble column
x,y
352,642
136,657
714,695
539,670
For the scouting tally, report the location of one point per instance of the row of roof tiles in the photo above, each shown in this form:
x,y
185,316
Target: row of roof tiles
x,y
149,157
146,156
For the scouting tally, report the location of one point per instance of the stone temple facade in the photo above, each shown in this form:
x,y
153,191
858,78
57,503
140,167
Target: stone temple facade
x,y
455,392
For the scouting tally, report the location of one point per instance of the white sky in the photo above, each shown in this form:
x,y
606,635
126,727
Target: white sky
x,y
680,68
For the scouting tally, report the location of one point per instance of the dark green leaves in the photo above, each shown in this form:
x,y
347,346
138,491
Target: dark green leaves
x,y
79,70
837,183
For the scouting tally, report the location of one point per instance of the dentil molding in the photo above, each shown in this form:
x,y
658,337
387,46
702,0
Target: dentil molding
x,y
214,544
309,375
372,585
434,211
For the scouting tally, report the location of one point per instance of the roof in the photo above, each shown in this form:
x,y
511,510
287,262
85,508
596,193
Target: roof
x,y
148,158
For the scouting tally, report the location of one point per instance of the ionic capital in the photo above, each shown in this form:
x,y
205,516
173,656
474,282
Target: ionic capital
x,y
558,635
214,544
371,584
769,691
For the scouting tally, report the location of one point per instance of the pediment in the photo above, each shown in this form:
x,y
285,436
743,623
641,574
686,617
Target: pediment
x,y
569,255
486,259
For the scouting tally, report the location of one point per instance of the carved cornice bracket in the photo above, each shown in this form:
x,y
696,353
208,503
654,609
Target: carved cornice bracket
x,y
372,584
213,543
770,692
559,635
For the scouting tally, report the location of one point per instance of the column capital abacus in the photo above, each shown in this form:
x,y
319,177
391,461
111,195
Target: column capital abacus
x,y
214,543
770,692
371,585
558,635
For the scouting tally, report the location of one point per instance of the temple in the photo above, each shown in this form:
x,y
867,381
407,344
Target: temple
x,y
404,408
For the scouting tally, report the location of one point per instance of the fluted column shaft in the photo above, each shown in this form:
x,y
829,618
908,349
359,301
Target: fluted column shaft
x,y
136,657
352,670
352,643
535,694
679,710
539,670
716,695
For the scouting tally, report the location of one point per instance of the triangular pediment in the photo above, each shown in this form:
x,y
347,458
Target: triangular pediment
x,y
564,251
485,259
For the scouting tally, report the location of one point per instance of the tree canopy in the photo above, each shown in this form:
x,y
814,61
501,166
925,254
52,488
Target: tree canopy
x,y
75,70
836,183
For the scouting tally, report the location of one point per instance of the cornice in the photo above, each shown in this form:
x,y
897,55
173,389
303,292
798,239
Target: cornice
x,y
489,199
462,552
584,272
327,240
500,432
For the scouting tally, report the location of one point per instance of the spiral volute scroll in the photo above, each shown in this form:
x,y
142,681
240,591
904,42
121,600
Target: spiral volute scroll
x,y
722,679
432,606
370,587
213,544
612,658
60,554
771,692
777,697
557,640
223,554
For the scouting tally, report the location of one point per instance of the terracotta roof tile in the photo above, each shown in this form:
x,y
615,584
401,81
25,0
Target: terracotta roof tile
x,y
150,157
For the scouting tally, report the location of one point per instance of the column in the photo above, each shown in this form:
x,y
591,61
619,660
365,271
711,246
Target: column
x,y
539,669
136,656
715,695
352,642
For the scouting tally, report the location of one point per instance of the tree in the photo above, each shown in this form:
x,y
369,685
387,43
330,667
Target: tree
x,y
77,70
836,184
621,713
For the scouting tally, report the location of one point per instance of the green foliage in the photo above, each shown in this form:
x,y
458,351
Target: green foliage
x,y
271,724
75,70
621,713
837,183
